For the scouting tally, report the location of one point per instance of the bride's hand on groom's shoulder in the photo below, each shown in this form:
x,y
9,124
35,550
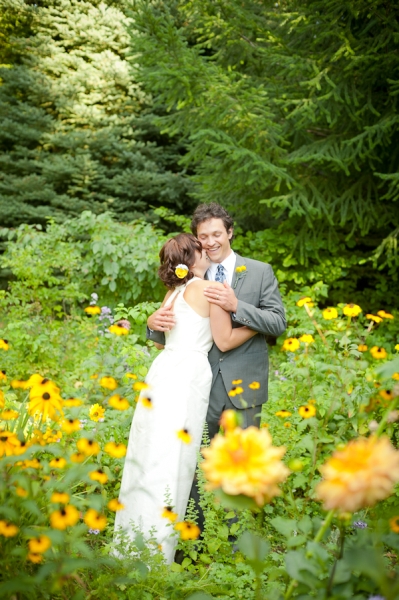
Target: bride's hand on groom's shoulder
x,y
162,319
223,297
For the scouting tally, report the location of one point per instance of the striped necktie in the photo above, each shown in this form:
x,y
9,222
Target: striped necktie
x,y
220,273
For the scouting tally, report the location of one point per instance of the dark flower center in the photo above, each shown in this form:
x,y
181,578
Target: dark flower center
x,y
44,381
63,512
3,438
46,396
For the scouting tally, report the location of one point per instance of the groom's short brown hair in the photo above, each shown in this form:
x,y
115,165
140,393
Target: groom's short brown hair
x,y
204,212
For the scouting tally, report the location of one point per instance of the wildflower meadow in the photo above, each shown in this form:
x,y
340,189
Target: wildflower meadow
x,y
306,506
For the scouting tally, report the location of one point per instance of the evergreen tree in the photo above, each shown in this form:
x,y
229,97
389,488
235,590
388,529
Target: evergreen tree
x,y
291,111
76,129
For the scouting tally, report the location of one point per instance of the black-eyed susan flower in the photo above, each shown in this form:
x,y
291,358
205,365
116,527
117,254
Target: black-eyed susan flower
x,y
3,375
8,529
4,345
40,544
35,557
52,435
59,497
181,271
374,318
378,352
188,530
230,419
283,414
96,412
92,310
118,329
386,394
95,520
8,443
88,447
394,524
118,403
287,424
168,513
70,425
131,376
146,402
115,505
362,348
45,403
352,310
71,402
184,436
236,381
67,516
307,411
78,457
255,385
58,463
9,415
305,300
139,386
108,383
18,384
290,345
115,450
395,376
307,338
236,391
20,447
385,315
330,313
21,492
41,385
32,463
2,399
99,476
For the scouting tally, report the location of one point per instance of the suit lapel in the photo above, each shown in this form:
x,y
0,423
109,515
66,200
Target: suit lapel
x,y
238,278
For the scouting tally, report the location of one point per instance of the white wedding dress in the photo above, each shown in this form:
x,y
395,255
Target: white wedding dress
x,y
158,462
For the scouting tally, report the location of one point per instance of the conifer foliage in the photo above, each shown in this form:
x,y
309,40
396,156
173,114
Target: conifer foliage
x,y
76,128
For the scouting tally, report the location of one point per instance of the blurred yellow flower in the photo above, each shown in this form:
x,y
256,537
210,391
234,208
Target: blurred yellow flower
x,y
88,447
352,310
138,386
385,315
59,497
356,477
8,415
378,352
78,457
108,383
21,492
39,544
394,524
307,338
70,425
397,347
386,394
95,520
118,329
290,345
115,450
115,505
92,310
245,462
236,381
131,376
230,419
2,399
119,403
168,513
8,529
307,411
8,443
330,313
255,385
236,391
70,402
184,436
305,300
287,424
147,402
65,517
99,476
35,557
3,376
362,348
283,413
96,412
47,403
4,345
58,463
374,318
33,463
188,530
395,376
18,384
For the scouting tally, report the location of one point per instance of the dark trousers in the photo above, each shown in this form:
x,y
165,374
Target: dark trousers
x,y
218,402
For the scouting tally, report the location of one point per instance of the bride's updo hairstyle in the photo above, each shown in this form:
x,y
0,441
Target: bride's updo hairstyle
x,y
179,250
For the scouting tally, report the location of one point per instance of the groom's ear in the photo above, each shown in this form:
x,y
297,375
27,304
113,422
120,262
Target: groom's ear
x,y
230,233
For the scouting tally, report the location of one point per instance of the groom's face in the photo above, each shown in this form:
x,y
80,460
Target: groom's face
x,y
215,239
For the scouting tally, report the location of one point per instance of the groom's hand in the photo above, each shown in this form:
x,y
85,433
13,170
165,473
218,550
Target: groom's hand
x,y
162,319
225,298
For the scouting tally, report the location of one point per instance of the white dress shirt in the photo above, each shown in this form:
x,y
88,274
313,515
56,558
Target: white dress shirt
x,y
229,264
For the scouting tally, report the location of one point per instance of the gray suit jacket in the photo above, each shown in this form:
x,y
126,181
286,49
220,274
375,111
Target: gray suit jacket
x,y
260,308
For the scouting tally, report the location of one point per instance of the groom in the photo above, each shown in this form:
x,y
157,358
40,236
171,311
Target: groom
x,y
252,298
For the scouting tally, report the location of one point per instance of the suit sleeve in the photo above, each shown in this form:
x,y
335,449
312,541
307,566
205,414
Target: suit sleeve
x,y
269,317
155,336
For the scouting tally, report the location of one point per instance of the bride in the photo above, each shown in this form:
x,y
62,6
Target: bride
x,y
167,426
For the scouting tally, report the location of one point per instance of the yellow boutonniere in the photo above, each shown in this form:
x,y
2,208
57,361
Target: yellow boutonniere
x,y
241,269
240,272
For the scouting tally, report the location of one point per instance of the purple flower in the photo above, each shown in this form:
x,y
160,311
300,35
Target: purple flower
x,y
359,525
94,531
376,598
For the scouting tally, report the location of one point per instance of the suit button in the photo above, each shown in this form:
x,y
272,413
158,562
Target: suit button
x,y
220,359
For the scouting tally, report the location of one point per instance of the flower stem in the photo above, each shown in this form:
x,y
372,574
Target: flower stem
x,y
384,419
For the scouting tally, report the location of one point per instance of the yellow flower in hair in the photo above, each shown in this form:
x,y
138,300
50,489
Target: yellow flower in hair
x,y
92,310
115,505
385,315
378,352
184,436
99,476
352,310
181,271
39,544
330,313
305,300
8,529
118,403
188,530
65,517
95,520
115,450
4,345
168,513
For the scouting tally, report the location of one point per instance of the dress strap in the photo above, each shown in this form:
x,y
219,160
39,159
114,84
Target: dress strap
x,y
173,295
193,279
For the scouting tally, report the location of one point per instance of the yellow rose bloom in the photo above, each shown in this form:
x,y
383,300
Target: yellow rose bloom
x,y
4,345
88,447
39,544
70,425
115,450
95,520
330,313
118,403
108,383
188,530
99,476
9,415
374,318
115,505
352,310
290,345
168,513
378,352
307,338
118,329
358,476
92,310
245,462
385,315
362,348
96,412
59,497
181,271
58,463
283,413
305,300
65,517
184,436
307,411
255,385
8,529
